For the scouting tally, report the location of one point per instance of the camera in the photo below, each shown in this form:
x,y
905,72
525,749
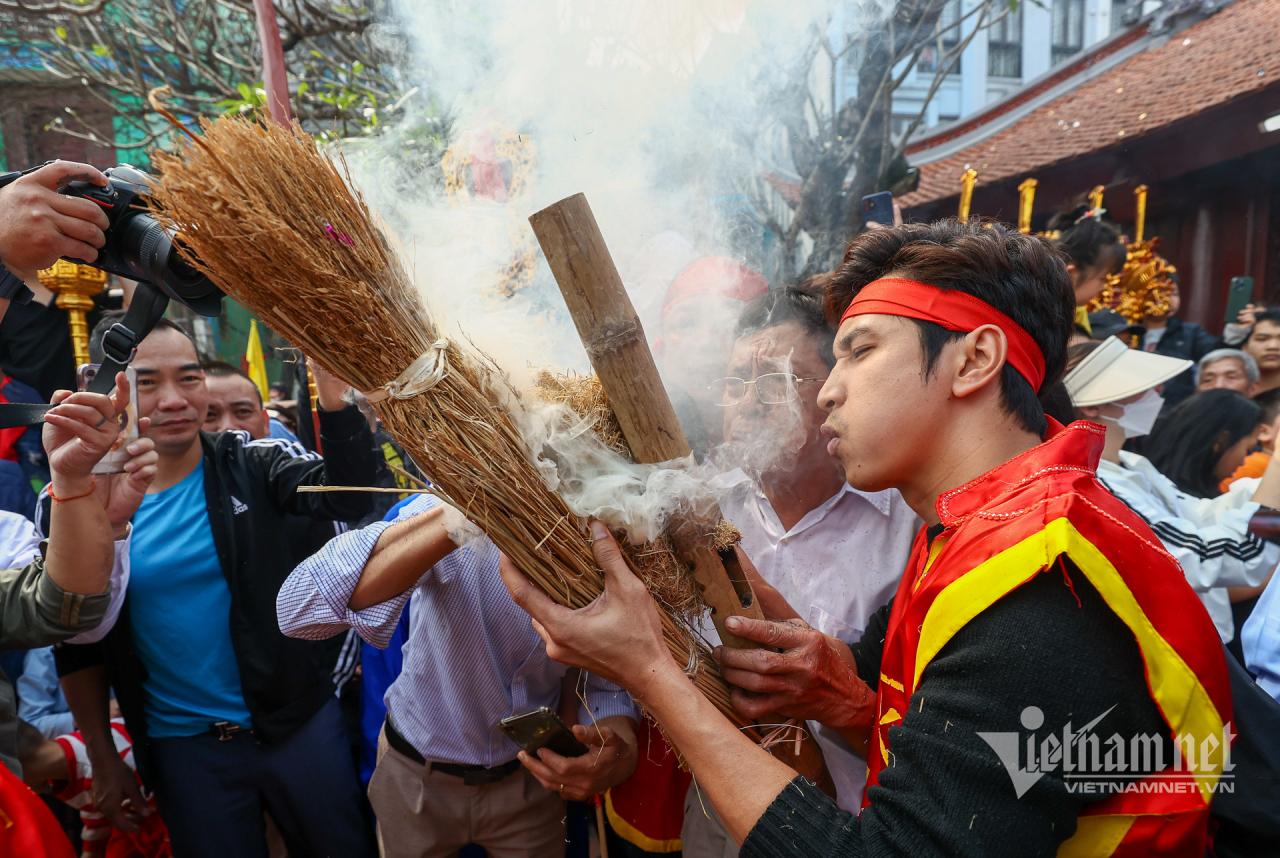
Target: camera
x,y
138,247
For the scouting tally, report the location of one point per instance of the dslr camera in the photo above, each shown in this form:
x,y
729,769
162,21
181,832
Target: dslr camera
x,y
137,246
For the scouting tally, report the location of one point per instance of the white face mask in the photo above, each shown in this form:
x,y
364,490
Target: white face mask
x,y
1140,415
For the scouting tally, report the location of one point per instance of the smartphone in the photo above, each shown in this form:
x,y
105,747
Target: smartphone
x,y
542,728
1239,293
878,208
113,462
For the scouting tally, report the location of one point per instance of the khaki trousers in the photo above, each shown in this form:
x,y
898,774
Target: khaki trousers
x,y
425,814
703,833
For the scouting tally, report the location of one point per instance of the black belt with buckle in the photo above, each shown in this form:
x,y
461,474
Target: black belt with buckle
x,y
226,730
471,775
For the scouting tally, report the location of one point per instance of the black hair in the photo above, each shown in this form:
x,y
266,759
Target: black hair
x,y
1019,275
1187,443
778,306
1270,315
110,318
1088,241
1269,402
222,369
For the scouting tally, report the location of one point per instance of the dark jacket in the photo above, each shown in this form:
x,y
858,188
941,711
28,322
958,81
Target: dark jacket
x,y
250,489
1184,340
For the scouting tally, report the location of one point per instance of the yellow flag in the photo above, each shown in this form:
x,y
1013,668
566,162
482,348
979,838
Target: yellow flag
x,y
255,362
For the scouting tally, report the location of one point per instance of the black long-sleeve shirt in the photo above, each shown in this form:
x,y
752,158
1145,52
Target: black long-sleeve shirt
x,y
947,793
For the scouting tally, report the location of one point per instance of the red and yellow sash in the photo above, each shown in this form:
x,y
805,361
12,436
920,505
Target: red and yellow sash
x,y
1012,524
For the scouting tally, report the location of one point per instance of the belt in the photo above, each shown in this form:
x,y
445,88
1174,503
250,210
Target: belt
x,y
471,775
225,731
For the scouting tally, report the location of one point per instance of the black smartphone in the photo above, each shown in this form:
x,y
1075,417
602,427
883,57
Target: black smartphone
x,y
1239,294
878,208
542,728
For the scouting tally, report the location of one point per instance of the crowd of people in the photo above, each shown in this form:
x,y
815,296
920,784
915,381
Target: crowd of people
x,y
1000,518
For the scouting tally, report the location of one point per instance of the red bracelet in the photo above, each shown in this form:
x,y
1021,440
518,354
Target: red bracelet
x,y
93,487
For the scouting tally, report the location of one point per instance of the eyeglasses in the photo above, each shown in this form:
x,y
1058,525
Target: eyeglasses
x,y
772,388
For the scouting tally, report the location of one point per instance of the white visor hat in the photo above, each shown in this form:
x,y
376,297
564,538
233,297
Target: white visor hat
x,y
1113,371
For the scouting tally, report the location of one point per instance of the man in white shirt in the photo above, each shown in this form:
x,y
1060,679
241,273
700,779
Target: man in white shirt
x,y
800,521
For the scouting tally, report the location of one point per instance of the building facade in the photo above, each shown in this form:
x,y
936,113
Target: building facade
x,y
1004,53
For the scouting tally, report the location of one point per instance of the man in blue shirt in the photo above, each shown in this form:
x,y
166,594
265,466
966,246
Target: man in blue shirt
x,y
229,718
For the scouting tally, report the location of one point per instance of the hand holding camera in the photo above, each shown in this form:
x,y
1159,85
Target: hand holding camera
x,y
38,224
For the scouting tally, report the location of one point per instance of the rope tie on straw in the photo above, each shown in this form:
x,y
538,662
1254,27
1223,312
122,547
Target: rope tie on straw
x,y
420,376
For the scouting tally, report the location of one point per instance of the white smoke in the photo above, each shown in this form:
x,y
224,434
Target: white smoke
x,y
653,109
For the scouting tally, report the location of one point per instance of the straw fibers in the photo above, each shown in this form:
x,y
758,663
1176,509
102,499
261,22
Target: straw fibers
x,y
271,219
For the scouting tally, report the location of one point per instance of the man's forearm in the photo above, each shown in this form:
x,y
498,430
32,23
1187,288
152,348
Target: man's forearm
x,y
80,551
87,696
403,553
1268,491
740,779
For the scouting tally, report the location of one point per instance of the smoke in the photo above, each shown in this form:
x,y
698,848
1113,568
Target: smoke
x,y
654,109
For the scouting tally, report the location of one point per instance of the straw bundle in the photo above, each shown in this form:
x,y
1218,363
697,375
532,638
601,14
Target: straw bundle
x,y
270,219
670,581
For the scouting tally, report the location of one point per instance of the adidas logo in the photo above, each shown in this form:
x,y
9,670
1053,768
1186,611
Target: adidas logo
x,y
238,506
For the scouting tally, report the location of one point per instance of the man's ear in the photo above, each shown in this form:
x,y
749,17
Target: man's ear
x,y
265,417
980,358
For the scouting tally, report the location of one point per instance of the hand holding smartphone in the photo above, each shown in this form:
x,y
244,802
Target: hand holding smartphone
x,y
113,461
878,208
1239,295
539,729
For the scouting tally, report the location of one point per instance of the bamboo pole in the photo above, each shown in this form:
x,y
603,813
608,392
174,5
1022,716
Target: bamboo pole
x,y
615,343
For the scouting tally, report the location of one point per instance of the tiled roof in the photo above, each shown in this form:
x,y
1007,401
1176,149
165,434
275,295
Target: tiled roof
x,y
1225,56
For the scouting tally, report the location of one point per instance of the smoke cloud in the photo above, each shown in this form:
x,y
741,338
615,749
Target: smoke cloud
x,y
652,108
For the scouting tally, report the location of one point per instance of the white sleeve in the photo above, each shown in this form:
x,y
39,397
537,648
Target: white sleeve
x,y
1210,536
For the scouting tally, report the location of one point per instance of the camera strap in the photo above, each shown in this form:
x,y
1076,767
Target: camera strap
x,y
119,344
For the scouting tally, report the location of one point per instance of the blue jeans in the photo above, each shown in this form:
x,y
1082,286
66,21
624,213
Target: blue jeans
x,y
212,794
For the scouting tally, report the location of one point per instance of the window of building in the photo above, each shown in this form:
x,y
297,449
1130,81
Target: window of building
x,y
1068,29
1004,45
945,40
1122,9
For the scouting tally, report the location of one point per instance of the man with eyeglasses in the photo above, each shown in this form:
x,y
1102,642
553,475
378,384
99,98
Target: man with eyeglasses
x,y
800,520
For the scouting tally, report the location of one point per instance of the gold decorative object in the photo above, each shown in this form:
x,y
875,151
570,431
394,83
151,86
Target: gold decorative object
x,y
968,179
1026,201
75,285
1095,197
496,164
1145,286
1140,220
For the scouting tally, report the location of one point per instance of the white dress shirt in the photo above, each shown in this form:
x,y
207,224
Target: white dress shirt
x,y
837,566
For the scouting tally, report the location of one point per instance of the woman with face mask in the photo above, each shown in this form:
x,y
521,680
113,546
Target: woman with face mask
x,y
1116,387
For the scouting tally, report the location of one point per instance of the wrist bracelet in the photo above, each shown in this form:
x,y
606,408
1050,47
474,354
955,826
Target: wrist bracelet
x,y
93,487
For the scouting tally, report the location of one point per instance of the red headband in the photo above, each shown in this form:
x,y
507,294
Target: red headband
x,y
950,309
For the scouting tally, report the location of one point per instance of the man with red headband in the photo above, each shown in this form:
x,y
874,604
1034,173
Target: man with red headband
x,y
1024,692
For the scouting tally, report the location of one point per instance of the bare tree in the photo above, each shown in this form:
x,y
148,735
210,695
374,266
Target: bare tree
x,y
842,151
342,65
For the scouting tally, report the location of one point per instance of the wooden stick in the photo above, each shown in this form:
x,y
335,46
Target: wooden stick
x,y
615,343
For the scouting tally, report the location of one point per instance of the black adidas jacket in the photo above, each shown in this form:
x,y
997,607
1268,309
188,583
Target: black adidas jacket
x,y
254,509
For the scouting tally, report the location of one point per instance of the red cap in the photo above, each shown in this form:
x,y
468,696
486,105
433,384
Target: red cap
x,y
717,276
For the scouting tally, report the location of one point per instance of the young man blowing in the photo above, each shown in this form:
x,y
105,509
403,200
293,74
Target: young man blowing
x,y
228,716
1033,597
799,518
